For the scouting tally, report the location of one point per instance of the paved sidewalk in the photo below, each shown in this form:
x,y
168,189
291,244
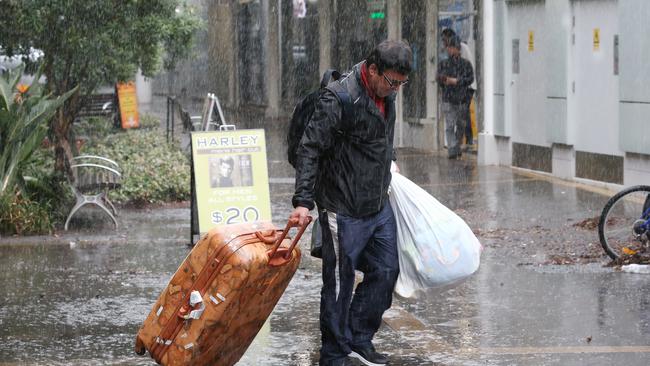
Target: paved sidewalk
x,y
540,297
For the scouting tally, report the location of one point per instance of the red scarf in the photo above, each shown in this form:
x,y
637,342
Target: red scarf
x,y
379,102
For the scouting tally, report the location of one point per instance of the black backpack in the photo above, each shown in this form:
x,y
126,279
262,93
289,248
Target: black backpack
x,y
305,109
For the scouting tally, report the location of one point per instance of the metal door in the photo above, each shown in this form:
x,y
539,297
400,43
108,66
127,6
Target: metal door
x,y
593,89
525,89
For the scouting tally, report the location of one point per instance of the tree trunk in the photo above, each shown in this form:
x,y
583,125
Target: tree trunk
x,y
61,128
63,150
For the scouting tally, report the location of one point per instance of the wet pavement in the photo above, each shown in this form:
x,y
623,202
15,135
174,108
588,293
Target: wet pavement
x,y
542,295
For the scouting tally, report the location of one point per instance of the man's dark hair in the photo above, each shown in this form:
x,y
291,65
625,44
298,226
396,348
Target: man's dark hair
x,y
391,55
447,34
454,42
230,161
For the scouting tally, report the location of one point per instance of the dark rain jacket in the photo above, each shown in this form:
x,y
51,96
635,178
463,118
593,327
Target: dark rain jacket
x,y
344,165
460,68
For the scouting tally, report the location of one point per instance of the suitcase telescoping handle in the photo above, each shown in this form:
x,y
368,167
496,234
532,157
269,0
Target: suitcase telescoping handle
x,y
280,256
267,237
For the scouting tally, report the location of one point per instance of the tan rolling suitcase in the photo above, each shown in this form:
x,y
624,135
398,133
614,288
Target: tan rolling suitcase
x,y
221,295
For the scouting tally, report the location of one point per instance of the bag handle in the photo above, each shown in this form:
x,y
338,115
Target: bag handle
x,y
268,237
281,256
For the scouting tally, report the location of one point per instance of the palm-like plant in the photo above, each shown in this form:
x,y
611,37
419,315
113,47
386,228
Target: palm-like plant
x,y
24,113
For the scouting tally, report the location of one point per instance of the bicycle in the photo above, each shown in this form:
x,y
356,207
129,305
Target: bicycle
x,y
624,226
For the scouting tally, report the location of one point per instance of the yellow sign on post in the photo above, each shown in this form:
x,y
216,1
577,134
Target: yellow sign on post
x,y
230,177
596,39
531,41
128,103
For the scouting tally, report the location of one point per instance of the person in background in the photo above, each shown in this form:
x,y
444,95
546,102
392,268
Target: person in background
x,y
344,167
466,53
454,77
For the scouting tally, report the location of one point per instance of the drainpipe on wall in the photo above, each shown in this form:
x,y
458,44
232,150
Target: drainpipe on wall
x,y
432,63
487,147
273,76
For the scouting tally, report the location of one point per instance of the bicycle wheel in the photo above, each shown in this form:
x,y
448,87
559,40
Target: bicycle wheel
x,y
623,227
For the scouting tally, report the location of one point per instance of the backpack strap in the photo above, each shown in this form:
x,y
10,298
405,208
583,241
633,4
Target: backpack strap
x,y
328,76
343,95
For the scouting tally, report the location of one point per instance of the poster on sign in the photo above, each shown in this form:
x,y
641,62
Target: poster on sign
x,y
128,103
230,177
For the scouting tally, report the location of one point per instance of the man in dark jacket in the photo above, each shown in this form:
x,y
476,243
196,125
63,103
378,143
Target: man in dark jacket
x,y
344,166
226,166
454,76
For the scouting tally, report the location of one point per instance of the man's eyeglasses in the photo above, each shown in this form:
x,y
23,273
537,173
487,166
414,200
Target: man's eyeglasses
x,y
395,83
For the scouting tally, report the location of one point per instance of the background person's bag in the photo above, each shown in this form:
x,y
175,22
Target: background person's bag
x,y
436,247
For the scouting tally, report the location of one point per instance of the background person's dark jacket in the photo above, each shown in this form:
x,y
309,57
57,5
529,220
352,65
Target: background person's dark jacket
x,y
456,67
345,165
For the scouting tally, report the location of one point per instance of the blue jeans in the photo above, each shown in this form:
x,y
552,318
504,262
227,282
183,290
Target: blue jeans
x,y
455,119
367,244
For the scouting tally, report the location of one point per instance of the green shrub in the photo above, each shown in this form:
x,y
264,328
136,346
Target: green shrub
x,y
153,171
43,202
47,186
19,215
99,127
93,128
149,122
24,113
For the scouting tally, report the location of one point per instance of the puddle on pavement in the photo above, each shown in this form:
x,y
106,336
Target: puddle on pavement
x,y
83,303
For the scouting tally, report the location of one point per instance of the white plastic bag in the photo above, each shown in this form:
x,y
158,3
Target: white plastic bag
x,y
436,247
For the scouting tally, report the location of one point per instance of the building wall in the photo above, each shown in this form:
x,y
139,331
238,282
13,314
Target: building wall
x,y
634,96
585,117
594,87
526,85
558,33
260,57
499,70
634,74
573,79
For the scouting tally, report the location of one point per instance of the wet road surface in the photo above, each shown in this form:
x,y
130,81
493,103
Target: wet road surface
x,y
79,298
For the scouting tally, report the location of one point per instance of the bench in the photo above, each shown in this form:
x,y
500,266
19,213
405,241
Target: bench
x,y
92,178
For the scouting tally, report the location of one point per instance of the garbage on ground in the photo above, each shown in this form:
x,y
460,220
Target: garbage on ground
x,y
636,268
